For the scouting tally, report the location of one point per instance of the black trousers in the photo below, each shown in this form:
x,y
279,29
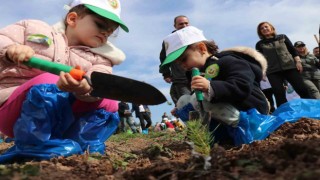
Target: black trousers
x,y
269,95
145,116
294,78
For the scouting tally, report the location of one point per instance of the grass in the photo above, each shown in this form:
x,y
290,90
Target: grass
x,y
200,136
195,132
156,136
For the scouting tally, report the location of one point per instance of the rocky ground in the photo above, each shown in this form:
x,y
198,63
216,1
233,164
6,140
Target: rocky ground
x,y
291,152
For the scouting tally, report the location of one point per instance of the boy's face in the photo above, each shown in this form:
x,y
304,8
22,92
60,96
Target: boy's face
x,y
92,31
192,57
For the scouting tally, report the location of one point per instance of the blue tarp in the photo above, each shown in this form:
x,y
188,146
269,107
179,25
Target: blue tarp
x,y
47,127
255,126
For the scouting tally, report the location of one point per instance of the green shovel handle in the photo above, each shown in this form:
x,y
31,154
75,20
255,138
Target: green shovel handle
x,y
199,95
54,68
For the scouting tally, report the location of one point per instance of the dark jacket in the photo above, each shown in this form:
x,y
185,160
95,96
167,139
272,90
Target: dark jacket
x,y
237,77
310,66
279,53
122,107
135,108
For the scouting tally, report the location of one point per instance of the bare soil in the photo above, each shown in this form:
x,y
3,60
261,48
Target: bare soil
x,y
291,152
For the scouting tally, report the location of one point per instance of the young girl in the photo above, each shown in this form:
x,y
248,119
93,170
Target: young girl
x,y
81,40
231,78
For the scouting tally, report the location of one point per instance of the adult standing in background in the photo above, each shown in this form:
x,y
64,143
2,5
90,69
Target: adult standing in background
x,y
143,113
125,116
311,72
316,52
174,73
283,62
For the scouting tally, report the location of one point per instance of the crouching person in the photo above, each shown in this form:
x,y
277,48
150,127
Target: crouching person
x,y
55,115
229,80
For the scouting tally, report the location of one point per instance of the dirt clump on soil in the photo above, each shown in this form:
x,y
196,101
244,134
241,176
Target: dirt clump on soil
x,y
291,152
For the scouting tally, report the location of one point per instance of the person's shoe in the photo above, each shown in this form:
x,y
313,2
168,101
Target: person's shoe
x,y
145,131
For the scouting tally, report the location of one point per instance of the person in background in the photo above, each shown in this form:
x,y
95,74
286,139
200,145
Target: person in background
x,y
164,116
178,125
143,113
169,125
125,116
268,92
311,72
316,52
80,40
283,62
173,73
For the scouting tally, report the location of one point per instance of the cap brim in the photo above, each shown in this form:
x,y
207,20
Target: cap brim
x,y
108,15
174,55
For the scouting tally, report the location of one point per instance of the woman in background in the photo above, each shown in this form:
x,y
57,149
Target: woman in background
x,y
283,62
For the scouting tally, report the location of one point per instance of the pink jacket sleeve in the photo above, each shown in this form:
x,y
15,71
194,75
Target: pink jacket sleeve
x,y
12,34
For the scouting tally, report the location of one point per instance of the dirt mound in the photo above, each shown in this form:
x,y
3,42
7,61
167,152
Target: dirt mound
x,y
291,152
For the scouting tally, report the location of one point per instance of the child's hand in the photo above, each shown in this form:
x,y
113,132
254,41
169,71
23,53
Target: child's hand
x,y
67,83
200,83
19,53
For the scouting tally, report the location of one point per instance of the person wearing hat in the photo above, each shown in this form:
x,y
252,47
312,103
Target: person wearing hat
x,y
230,79
311,72
284,63
81,40
173,73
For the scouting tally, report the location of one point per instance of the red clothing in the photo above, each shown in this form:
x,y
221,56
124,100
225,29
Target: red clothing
x,y
169,125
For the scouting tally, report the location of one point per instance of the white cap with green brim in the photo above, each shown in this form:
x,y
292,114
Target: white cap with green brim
x,y
109,9
176,43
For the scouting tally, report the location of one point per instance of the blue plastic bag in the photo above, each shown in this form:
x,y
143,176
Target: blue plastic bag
x,y
93,129
46,114
47,150
183,113
298,108
47,127
255,126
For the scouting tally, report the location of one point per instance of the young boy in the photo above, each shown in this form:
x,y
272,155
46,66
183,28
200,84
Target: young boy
x,y
231,78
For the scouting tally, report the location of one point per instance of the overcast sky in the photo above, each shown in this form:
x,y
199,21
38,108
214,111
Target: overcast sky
x,y
229,22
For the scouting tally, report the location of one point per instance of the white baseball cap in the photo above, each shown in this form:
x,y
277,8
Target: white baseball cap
x,y
176,43
106,8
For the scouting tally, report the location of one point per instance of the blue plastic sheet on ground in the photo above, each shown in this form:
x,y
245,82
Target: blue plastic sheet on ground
x,y
298,108
92,130
49,149
47,127
255,126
